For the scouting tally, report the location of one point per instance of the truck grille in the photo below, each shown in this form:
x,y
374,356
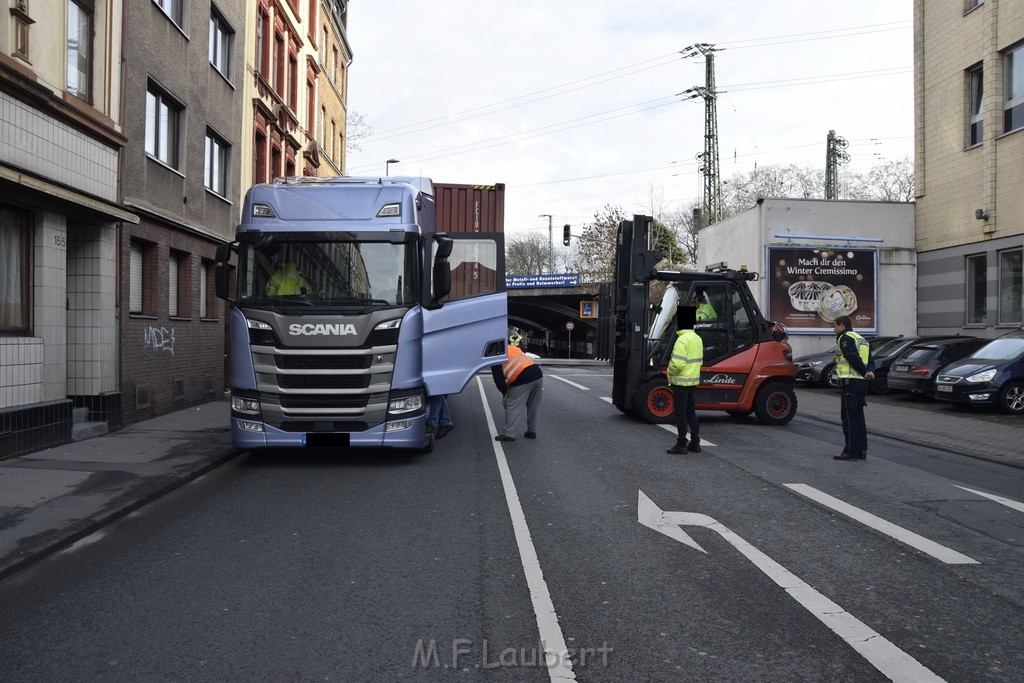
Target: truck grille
x,y
360,362
323,381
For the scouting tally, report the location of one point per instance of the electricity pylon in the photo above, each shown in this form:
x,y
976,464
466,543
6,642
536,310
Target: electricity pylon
x,y
711,198
834,155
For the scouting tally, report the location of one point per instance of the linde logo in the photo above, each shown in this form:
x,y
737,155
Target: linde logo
x,y
309,329
720,379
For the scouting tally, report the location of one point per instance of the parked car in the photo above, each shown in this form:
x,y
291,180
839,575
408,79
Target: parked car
x,y
916,368
992,376
887,354
820,368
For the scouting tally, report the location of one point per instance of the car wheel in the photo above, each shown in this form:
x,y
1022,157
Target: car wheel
x,y
654,401
829,377
1011,398
775,403
880,384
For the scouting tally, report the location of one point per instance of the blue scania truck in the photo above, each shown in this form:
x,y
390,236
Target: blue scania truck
x,y
353,306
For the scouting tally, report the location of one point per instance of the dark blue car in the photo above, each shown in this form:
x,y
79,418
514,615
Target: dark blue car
x,y
991,376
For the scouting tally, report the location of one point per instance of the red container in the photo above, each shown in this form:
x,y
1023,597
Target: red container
x,y
470,208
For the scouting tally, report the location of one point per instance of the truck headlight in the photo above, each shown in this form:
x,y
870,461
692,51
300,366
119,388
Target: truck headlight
x,y
249,406
405,404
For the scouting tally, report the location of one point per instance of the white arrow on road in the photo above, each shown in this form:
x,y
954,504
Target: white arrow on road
x,y
882,654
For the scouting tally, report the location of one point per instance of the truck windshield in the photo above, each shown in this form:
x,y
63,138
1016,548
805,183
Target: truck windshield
x,y
327,274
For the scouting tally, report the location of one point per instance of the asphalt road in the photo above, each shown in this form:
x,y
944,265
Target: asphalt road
x,y
381,567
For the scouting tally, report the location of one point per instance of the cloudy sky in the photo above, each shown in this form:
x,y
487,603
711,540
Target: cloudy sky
x,y
575,105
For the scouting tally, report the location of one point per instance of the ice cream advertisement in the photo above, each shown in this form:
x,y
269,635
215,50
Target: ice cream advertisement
x,y
808,287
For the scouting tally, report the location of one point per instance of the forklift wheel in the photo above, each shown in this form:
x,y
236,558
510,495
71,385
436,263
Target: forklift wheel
x,y
653,401
775,403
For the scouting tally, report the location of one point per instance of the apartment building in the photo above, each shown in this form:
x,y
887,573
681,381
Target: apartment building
x,y
61,140
279,94
181,174
335,57
969,146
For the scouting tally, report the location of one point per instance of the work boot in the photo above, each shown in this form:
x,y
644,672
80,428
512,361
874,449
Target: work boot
x,y
677,450
502,437
694,446
530,435
443,430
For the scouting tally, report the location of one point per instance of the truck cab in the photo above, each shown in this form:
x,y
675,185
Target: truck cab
x,y
351,309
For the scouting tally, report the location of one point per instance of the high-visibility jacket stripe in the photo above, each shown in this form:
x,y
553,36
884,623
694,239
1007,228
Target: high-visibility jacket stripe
x,y
517,362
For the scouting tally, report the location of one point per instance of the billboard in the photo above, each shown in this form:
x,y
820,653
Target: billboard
x,y
808,288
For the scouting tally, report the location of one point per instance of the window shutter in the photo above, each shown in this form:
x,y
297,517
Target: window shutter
x,y
172,287
135,279
203,272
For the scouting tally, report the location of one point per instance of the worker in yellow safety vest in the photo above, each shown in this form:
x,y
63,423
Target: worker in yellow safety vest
x,y
705,311
288,281
853,368
683,378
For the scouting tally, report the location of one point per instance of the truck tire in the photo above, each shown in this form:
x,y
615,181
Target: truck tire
x,y
775,403
653,401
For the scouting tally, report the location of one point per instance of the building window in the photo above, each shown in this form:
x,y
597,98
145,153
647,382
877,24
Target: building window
x,y
177,285
215,167
21,23
79,48
1010,291
172,8
261,45
977,289
220,44
1014,112
163,126
279,63
15,244
259,171
977,105
293,82
310,106
971,4
136,278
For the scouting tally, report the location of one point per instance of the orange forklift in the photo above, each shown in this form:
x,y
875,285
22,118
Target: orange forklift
x,y
748,364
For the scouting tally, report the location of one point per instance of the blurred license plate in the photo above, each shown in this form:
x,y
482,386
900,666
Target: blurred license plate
x,y
944,387
901,368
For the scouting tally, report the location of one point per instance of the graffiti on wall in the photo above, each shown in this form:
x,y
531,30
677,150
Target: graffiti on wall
x,y
159,339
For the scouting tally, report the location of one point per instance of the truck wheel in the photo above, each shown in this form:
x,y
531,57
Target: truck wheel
x,y
775,404
654,402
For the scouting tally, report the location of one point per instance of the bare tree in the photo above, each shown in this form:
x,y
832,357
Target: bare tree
x,y
356,129
527,254
893,181
593,254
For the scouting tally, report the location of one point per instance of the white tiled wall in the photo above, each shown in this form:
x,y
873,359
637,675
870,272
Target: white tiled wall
x,y
91,280
50,313
51,149
21,370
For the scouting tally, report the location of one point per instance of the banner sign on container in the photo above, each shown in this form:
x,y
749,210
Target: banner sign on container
x,y
551,280
808,288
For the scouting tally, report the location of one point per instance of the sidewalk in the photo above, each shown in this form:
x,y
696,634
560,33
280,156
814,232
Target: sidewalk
x,y
934,425
52,498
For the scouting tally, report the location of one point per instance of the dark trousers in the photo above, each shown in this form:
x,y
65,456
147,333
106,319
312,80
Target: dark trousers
x,y
685,409
855,429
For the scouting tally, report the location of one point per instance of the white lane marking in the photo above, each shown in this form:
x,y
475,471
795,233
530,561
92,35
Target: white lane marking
x,y
569,382
675,432
559,665
1019,507
939,552
606,399
891,661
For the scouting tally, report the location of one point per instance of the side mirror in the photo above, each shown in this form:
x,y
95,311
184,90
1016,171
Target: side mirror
x,y
222,280
445,245
442,281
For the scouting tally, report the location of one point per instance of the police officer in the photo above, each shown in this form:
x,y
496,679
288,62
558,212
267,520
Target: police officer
x,y
515,339
853,360
683,377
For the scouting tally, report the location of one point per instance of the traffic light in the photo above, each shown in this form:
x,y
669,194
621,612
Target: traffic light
x,y
565,234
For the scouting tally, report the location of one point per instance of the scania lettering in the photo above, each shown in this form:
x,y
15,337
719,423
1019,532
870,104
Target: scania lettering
x,y
354,306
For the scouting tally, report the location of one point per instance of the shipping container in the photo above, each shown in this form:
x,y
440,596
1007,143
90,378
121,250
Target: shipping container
x,y
470,208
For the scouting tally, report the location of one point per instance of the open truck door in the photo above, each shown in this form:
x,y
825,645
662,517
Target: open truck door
x,y
464,327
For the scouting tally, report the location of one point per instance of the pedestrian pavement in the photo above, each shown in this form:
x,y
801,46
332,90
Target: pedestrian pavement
x,y
53,498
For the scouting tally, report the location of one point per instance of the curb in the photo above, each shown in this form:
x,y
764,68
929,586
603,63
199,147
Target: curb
x,y
977,455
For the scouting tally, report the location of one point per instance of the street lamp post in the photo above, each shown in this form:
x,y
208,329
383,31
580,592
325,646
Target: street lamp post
x,y
387,164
